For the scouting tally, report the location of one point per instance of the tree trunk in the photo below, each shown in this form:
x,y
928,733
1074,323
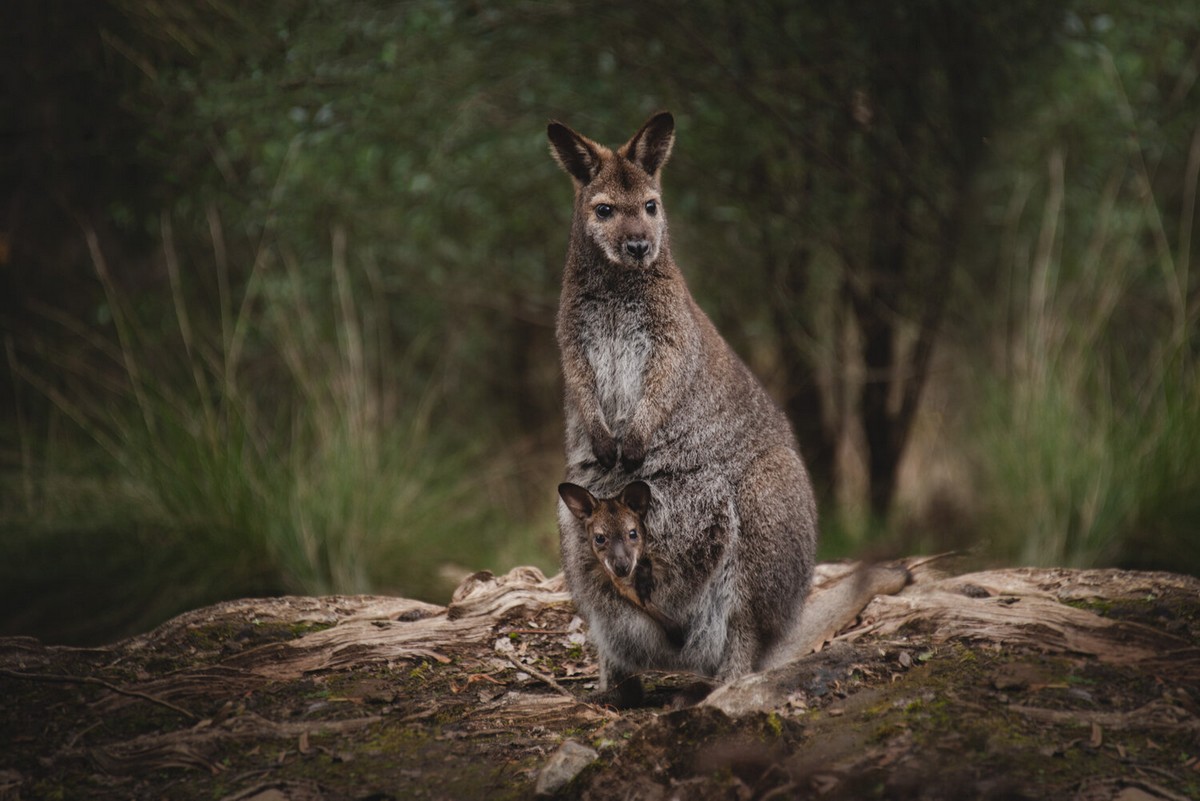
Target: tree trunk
x,y
877,315
803,401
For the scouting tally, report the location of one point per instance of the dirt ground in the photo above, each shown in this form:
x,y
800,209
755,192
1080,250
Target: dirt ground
x,y
1001,685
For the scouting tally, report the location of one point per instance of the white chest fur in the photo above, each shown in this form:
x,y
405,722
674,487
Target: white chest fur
x,y
618,359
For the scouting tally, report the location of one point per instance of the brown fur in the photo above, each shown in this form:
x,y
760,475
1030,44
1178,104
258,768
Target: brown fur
x,y
617,533
653,393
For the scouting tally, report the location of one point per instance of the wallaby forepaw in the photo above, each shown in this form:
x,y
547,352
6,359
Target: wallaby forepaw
x,y
604,446
633,453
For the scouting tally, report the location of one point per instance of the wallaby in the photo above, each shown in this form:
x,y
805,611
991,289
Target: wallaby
x,y
617,533
653,393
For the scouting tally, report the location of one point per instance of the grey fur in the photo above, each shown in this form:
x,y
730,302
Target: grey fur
x,y
653,393
616,529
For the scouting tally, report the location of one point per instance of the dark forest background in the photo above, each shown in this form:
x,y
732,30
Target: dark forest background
x,y
278,282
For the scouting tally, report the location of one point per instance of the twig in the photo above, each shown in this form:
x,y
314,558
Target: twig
x,y
550,680
1160,792
558,688
75,737
54,678
921,561
781,791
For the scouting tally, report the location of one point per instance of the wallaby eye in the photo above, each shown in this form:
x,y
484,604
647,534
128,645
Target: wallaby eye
x,y
652,207
633,534
604,211
601,539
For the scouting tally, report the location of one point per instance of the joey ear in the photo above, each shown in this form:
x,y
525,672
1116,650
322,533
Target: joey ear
x,y
578,500
637,497
575,153
651,146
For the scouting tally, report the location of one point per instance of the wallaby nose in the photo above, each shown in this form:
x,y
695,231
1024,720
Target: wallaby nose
x,y
638,248
620,568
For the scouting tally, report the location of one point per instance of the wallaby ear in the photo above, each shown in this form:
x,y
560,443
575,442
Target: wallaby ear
x,y
651,146
578,500
575,153
637,497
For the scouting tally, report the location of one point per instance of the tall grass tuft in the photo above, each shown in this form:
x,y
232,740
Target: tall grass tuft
x,y
1087,439
280,443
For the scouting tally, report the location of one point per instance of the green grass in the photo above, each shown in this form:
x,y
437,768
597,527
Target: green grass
x,y
288,446
1087,433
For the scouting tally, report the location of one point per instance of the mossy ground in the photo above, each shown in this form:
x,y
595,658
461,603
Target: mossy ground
x,y
903,718
955,725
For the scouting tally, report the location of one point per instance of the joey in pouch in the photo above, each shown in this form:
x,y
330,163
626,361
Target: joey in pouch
x,y
615,529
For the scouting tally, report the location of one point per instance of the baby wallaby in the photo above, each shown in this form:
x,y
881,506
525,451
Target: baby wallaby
x,y
616,529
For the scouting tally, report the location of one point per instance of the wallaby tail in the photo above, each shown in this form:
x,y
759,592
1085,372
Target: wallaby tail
x,y
834,606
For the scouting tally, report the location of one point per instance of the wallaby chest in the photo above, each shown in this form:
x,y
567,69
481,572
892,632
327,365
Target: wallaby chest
x,y
617,344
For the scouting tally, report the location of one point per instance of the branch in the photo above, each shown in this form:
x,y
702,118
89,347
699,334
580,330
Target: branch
x,y
554,685
57,679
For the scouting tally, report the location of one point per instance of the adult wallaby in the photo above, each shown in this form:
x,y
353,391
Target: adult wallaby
x,y
654,393
616,529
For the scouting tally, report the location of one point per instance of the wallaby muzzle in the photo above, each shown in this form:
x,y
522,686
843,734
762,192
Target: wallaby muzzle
x,y
638,248
620,567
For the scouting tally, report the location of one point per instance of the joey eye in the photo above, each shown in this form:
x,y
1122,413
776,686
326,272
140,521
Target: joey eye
x,y
633,534
652,207
600,539
604,211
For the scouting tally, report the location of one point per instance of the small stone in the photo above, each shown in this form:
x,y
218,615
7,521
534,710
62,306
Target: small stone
x,y
563,766
1019,676
270,794
1137,794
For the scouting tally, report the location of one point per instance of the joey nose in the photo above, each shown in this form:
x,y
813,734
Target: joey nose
x,y
638,248
620,569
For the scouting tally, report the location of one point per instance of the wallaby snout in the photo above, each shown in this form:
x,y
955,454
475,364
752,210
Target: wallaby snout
x,y
621,568
638,248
